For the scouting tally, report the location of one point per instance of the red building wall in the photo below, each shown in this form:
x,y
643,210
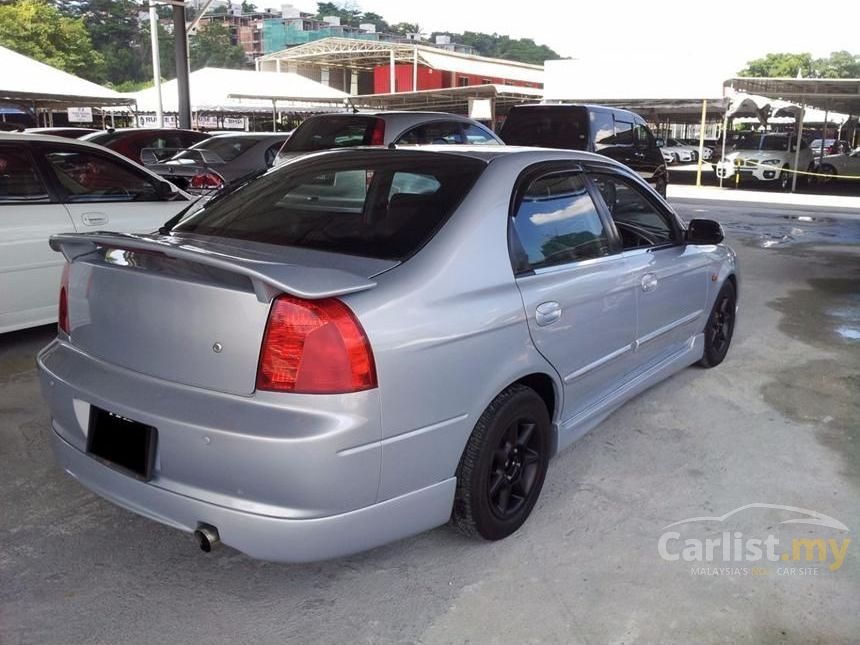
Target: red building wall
x,y
429,79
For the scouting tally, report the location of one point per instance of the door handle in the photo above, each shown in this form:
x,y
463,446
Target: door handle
x,y
649,282
547,313
94,219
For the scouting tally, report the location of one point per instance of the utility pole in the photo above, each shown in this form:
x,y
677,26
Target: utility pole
x,y
181,40
156,62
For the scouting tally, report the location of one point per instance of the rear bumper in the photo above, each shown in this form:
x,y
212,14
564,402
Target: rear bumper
x,y
261,536
276,474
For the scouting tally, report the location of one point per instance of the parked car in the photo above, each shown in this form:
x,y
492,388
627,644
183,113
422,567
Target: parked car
x,y
710,148
51,185
382,340
341,130
612,132
68,133
835,166
766,158
831,147
130,142
220,159
677,151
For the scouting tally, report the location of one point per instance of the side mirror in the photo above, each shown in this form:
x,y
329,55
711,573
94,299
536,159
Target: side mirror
x,y
704,231
660,143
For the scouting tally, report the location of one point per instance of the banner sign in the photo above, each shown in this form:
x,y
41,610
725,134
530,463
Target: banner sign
x,y
80,115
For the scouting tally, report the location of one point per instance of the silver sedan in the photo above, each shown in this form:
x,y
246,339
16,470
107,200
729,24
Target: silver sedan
x,y
365,344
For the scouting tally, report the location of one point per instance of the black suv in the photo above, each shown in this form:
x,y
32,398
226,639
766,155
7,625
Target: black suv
x,y
616,133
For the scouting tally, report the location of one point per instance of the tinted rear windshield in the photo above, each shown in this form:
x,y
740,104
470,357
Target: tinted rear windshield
x,y
331,132
549,126
383,205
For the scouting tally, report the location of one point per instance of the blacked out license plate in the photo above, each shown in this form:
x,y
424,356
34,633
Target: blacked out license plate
x,y
122,443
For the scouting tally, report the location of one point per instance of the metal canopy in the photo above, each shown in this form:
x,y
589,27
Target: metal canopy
x,y
369,54
834,94
450,99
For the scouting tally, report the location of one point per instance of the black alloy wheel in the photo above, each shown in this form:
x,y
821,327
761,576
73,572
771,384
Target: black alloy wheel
x,y
514,471
502,469
720,327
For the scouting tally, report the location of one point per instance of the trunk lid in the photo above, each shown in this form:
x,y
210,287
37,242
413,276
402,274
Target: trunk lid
x,y
192,310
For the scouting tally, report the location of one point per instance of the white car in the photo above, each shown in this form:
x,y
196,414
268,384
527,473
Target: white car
x,y
53,185
676,152
767,157
841,165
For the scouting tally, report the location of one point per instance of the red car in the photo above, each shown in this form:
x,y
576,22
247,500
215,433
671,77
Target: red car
x,y
129,142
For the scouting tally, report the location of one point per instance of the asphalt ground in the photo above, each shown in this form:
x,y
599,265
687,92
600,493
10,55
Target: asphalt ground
x,y
776,425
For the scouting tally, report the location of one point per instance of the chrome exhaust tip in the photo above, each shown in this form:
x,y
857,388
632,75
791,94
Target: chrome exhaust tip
x,y
207,537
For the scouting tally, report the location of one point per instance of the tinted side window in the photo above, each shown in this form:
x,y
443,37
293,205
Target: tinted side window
x,y
639,222
19,181
557,222
89,177
477,135
602,129
623,133
441,132
643,136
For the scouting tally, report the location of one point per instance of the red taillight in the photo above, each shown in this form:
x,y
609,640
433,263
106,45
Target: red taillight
x,y
63,310
206,180
377,136
314,347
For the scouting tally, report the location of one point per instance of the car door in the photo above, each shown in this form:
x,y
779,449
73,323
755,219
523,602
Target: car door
x,y
29,215
104,192
576,286
671,277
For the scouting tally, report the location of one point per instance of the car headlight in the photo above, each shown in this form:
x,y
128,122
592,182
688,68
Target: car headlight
x,y
771,162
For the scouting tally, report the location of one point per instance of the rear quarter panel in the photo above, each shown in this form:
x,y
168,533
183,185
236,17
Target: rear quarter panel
x,y
449,333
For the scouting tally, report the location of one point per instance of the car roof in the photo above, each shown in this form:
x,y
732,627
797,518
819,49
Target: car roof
x,y
50,138
269,135
485,153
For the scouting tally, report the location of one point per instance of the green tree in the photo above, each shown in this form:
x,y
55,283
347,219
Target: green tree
x,y
524,50
38,30
212,47
248,7
841,64
779,64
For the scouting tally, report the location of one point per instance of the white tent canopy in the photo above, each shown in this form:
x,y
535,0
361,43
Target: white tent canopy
x,y
26,82
217,90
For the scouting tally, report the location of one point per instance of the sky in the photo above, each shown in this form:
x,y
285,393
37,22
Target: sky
x,y
721,35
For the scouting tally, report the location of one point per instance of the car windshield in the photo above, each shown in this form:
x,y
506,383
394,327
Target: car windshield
x,y
751,141
223,148
332,131
375,205
816,143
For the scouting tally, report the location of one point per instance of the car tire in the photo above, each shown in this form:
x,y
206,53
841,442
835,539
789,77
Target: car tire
x,y
808,178
827,174
502,469
720,326
785,179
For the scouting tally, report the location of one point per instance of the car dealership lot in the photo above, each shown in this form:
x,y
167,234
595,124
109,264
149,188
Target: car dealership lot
x,y
777,423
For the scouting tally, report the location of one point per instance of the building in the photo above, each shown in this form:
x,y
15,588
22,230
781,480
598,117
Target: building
x,y
269,31
382,67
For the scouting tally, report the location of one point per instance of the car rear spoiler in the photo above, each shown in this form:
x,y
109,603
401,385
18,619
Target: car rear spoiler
x,y
269,278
